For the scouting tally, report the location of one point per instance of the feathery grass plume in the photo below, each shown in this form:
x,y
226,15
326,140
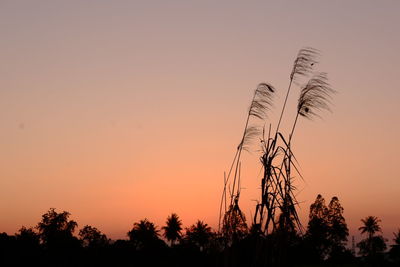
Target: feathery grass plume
x,y
315,96
304,62
302,66
276,218
252,132
262,101
260,105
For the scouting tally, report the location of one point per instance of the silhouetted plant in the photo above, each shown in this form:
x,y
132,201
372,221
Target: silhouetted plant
x,y
373,244
199,234
28,244
338,230
234,224
317,235
144,235
371,226
56,230
91,237
173,228
277,187
276,210
327,231
8,250
257,113
27,238
395,248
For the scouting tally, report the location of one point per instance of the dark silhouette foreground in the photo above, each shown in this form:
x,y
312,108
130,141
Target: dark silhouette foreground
x,y
53,243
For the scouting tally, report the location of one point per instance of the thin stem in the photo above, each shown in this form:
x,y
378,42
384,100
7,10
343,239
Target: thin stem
x,y
294,126
284,104
241,148
223,198
235,159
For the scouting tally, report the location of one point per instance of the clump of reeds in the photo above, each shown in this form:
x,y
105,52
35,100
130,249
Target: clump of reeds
x,y
275,213
257,113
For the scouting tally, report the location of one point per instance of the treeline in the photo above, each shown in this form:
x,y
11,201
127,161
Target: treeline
x,y
56,241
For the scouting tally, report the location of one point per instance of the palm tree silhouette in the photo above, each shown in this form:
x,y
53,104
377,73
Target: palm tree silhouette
x,y
172,229
143,234
199,234
371,226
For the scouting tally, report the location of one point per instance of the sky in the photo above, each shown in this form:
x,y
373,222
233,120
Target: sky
x,y
117,111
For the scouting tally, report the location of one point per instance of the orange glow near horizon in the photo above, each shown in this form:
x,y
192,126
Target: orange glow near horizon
x,y
119,112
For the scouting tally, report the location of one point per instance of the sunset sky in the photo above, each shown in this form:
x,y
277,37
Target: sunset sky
x,y
120,110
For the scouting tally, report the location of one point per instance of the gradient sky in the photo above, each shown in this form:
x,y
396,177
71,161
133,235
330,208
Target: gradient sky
x,y
120,110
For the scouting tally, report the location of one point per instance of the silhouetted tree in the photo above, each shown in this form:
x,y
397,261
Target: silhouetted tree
x,y
28,244
8,246
234,224
144,235
56,235
317,235
199,234
373,244
173,228
337,231
91,237
371,226
327,230
56,230
395,248
27,237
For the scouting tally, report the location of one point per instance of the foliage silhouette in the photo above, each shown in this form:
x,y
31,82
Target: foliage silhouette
x,y
173,228
199,235
373,246
234,224
395,248
56,230
317,235
28,238
327,231
371,226
8,249
28,243
276,236
337,231
144,235
91,237
275,217
199,246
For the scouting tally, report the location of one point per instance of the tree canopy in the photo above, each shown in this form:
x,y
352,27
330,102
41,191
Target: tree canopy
x,y
173,228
